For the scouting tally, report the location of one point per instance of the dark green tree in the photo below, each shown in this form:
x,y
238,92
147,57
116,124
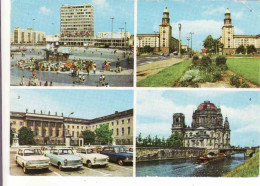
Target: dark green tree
x,y
139,139
251,49
89,136
25,136
104,135
149,140
175,140
163,141
11,136
241,49
148,49
208,43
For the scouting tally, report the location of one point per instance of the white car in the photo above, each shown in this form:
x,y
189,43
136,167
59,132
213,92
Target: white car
x,y
31,158
91,157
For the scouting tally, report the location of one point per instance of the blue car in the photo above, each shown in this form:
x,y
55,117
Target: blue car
x,y
64,158
118,154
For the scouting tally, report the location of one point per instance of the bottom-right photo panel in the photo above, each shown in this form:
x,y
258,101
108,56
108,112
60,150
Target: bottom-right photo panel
x,y
197,133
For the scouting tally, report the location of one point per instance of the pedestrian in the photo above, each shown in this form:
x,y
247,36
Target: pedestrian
x,y
22,81
79,78
89,68
74,83
100,80
94,69
34,74
46,83
118,58
51,83
83,78
103,78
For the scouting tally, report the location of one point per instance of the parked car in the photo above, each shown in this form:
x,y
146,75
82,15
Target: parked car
x,y
117,154
91,157
46,150
64,158
31,158
129,150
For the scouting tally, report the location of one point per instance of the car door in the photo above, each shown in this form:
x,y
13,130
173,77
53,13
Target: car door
x,y
18,157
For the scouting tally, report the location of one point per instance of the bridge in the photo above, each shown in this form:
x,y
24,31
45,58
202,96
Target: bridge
x,y
248,152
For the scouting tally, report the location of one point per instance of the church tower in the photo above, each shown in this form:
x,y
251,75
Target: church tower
x,y
178,123
165,32
228,33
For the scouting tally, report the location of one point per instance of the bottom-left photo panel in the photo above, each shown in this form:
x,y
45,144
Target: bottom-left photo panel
x,y
64,132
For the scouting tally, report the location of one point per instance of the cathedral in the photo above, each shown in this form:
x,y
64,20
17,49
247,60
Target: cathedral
x,y
207,128
231,41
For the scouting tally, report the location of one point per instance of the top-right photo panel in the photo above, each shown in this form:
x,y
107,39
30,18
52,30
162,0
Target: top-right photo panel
x,y
198,44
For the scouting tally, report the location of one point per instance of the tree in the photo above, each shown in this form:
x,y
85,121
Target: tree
x,y
241,49
208,43
163,141
25,136
89,136
251,49
139,139
104,135
11,136
147,49
149,140
175,140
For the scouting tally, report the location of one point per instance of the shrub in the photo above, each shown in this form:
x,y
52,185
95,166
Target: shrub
x,y
223,67
195,57
195,60
217,75
235,81
206,61
244,85
189,75
221,60
184,84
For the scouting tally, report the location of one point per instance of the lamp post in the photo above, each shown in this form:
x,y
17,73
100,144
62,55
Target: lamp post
x,y
191,33
179,25
70,114
112,32
188,39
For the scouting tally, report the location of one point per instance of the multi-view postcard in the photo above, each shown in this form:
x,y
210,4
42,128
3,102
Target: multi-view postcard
x,y
72,43
198,44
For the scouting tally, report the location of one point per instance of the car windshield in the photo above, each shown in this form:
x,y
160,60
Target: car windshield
x,y
120,149
32,152
65,151
91,151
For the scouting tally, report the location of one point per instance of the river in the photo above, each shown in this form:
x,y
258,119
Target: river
x,y
187,167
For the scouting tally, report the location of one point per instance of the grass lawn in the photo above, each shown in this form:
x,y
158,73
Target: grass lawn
x,y
249,68
250,168
166,77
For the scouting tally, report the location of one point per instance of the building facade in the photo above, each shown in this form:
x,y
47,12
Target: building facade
x,y
161,41
52,129
28,36
117,39
231,41
207,128
77,25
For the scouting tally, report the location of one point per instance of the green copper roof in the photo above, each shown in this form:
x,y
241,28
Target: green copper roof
x,y
166,10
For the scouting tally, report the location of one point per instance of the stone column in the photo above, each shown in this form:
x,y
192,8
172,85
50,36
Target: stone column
x,y
47,129
54,130
34,128
40,130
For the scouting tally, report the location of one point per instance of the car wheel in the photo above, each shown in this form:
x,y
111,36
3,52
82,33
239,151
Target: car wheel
x,y
25,169
89,164
60,166
120,162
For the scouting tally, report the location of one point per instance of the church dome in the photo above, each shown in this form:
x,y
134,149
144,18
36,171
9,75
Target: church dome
x,y
207,105
166,10
227,11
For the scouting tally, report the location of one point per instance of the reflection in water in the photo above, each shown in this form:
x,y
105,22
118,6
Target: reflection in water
x,y
187,168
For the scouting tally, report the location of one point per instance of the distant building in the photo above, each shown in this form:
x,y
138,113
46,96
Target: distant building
x,y
77,25
162,41
117,39
231,41
52,129
185,47
53,38
207,128
27,36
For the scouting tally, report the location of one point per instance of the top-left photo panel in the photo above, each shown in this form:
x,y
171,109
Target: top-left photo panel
x,y
86,43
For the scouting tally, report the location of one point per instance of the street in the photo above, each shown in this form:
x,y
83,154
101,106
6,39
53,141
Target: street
x,y
112,169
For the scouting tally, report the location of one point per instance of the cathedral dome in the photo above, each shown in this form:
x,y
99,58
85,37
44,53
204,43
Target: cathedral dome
x,y
227,11
207,105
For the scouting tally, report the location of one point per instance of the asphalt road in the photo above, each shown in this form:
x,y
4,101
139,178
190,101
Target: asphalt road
x,y
112,170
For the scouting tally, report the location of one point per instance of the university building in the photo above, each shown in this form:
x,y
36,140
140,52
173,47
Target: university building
x,y
53,129
207,128
231,41
162,41
27,36
77,25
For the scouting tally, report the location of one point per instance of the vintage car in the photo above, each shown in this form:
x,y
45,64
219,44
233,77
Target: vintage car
x,y
64,158
91,157
31,158
117,154
46,150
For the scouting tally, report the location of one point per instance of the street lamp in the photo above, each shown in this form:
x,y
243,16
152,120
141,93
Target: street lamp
x,y
70,114
191,33
179,25
188,39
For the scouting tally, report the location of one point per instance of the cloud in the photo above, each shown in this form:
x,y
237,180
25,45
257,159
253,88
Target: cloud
x,y
45,10
200,27
212,11
100,3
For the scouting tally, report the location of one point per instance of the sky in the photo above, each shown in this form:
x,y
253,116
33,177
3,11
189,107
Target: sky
x,y
155,110
46,12
203,17
87,104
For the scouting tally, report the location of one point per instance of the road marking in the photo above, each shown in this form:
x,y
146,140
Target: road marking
x,y
97,171
120,166
56,173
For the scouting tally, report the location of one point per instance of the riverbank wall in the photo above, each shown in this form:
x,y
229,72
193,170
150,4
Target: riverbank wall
x,y
164,153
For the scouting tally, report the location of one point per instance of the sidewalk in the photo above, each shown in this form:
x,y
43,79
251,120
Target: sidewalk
x,y
152,68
